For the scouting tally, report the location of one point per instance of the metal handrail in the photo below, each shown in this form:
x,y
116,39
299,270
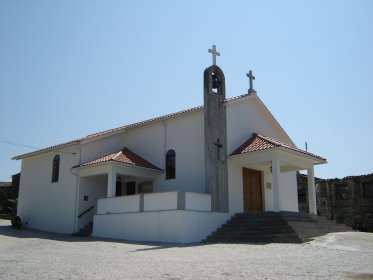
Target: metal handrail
x,y
86,211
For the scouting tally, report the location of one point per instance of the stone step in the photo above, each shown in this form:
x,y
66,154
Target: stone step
x,y
263,227
309,226
257,223
256,235
269,227
85,230
272,216
259,240
259,231
318,225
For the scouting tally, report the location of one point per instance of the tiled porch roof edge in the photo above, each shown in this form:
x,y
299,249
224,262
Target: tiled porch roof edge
x,y
259,142
125,156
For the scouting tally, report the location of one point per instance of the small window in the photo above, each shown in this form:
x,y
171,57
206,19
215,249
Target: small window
x,y
55,168
170,164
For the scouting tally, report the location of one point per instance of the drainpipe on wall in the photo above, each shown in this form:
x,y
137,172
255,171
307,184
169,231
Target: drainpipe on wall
x,y
76,196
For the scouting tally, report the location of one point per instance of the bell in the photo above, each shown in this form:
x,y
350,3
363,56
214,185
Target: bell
x,y
215,81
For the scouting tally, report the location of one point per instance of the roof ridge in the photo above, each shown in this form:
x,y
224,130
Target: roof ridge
x,y
108,131
109,155
93,135
125,156
117,154
273,141
276,143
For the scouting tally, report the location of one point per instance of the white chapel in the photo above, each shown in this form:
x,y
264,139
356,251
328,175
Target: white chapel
x,y
174,178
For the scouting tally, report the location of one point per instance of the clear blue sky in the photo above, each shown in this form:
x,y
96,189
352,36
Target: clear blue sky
x,y
71,68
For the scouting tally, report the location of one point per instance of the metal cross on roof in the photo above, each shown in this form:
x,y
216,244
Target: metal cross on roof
x,y
214,54
251,77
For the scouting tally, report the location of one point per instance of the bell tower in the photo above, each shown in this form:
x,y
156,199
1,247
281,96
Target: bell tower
x,y
215,127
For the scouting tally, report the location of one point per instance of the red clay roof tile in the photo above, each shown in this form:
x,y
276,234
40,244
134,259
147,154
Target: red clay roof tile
x,y
125,156
259,142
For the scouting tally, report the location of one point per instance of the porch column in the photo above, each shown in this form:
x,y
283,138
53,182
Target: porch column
x,y
275,183
111,183
311,191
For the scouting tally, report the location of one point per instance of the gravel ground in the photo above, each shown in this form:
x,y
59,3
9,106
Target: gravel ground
x,y
28,254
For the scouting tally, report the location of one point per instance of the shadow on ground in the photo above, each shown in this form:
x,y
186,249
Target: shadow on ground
x,y
7,230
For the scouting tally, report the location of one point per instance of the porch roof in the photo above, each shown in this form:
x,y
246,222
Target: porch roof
x,y
259,142
125,156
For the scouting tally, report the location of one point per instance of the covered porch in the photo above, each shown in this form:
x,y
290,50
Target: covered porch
x,y
120,176
118,188
268,174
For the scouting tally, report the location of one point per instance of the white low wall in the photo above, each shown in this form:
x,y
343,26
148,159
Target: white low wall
x,y
197,201
164,201
121,204
160,201
175,226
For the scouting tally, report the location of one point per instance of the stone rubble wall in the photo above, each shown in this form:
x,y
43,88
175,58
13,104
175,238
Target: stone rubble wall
x,y
348,200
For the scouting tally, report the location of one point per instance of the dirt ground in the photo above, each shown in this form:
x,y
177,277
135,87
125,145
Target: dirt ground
x,y
29,254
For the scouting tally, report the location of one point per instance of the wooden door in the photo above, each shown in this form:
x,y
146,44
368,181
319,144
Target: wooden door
x,y
252,190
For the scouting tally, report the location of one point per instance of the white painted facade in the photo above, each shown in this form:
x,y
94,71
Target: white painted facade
x,y
177,210
45,205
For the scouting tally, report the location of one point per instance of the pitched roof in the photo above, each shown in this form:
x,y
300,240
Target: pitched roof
x,y
125,156
259,142
121,128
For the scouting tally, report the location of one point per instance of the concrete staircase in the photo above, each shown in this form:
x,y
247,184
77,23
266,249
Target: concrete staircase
x,y
272,227
309,226
261,227
85,231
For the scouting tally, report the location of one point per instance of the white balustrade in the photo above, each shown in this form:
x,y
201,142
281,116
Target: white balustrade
x,y
162,201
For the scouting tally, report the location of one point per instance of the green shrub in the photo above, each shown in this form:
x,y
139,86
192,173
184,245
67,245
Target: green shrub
x,y
10,207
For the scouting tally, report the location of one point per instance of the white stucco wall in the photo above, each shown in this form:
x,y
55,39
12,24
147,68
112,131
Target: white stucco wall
x,y
99,147
197,201
288,192
182,134
246,117
268,190
52,206
243,119
160,201
94,187
45,205
186,136
120,204
235,188
176,226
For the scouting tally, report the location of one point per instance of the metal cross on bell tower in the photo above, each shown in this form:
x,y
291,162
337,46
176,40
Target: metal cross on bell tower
x,y
251,77
218,146
214,54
